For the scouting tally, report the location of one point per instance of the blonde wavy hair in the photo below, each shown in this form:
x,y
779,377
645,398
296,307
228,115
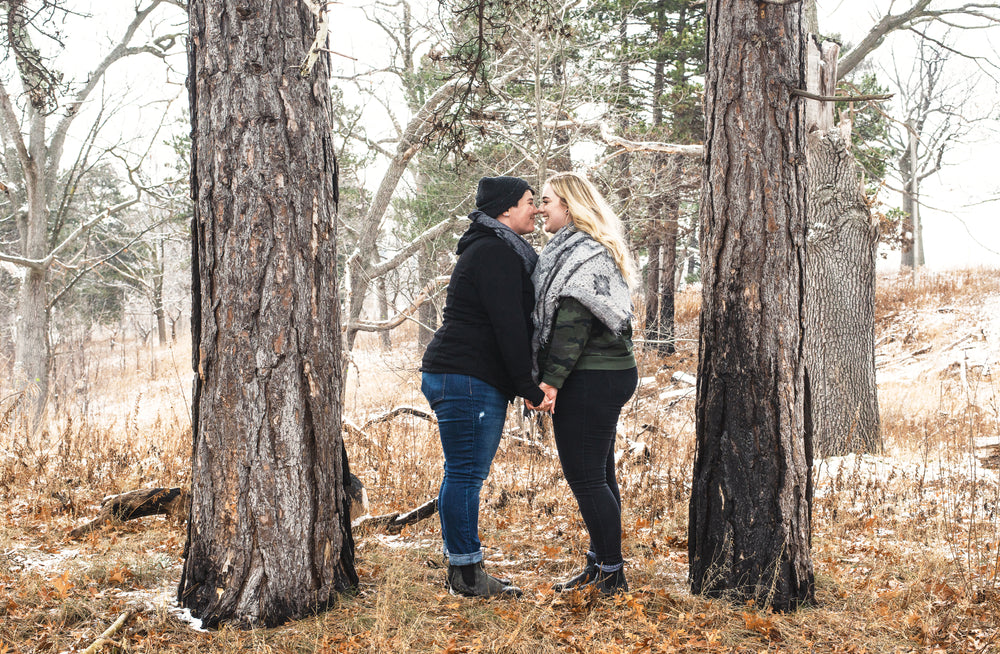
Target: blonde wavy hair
x,y
591,213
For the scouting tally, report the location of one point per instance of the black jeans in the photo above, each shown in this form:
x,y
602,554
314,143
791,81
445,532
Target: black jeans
x,y
585,423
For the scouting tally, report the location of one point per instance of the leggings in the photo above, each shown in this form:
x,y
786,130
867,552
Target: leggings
x,y
585,423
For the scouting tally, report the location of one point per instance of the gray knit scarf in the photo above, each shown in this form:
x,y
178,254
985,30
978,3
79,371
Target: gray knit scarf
x,y
574,265
523,249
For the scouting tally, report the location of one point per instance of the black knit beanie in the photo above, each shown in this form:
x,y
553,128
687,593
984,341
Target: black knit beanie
x,y
498,194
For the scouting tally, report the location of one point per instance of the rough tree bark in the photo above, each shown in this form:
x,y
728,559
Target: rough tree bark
x,y
269,535
840,279
750,511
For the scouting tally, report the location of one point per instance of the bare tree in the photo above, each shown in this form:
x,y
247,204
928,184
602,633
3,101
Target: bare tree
x,y
145,268
839,320
437,112
936,104
917,16
840,273
35,140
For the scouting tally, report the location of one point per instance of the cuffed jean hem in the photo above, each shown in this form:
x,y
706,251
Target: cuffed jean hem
x,y
465,559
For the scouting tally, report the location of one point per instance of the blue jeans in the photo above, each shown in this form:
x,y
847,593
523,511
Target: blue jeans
x,y
470,416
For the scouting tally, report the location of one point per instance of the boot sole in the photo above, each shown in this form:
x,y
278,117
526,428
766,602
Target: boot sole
x,y
504,595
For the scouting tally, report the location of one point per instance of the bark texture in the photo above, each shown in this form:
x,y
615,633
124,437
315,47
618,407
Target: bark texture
x,y
840,278
750,511
269,535
840,306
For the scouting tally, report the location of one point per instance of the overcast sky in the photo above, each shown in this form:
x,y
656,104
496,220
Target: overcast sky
x,y
961,204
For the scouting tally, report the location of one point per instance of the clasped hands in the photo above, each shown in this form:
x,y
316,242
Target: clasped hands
x,y
548,405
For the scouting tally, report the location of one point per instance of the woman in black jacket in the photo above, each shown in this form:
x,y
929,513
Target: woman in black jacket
x,y
477,362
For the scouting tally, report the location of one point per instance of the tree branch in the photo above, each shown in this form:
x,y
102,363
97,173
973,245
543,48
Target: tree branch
x,y
428,235
21,261
891,22
73,107
841,98
98,262
385,325
648,146
12,130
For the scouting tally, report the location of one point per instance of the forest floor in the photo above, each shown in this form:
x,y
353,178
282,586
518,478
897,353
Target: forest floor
x,y
906,547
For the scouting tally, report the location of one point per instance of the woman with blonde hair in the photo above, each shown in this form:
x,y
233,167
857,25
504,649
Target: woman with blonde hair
x,y
583,355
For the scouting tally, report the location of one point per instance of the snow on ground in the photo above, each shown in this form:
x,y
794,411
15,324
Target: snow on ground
x,y
35,559
895,465
959,340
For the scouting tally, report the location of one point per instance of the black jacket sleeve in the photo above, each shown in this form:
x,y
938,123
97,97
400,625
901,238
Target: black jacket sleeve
x,y
501,283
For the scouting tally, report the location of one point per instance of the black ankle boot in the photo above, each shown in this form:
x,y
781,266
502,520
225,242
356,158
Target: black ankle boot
x,y
472,581
503,580
609,583
588,575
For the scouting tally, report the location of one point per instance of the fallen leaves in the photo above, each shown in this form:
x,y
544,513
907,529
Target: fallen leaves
x,y
763,625
62,585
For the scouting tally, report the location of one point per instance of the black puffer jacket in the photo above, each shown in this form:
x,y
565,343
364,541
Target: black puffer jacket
x,y
486,331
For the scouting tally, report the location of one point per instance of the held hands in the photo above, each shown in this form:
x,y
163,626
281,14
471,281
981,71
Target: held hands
x,y
548,405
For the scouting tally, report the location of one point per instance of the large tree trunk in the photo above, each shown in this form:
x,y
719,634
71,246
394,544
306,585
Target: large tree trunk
x,y
840,280
749,530
269,535
31,350
840,304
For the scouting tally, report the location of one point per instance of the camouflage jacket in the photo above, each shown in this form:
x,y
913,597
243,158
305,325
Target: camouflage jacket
x,y
581,342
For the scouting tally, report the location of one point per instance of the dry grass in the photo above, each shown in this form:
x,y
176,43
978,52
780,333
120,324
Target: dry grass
x,y
905,545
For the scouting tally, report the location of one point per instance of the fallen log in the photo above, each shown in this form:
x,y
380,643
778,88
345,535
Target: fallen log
x,y
172,502
393,523
399,411
176,503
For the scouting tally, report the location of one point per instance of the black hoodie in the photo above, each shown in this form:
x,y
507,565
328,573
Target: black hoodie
x,y
486,331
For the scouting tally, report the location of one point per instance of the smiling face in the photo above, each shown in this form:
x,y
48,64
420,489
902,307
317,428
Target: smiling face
x,y
521,218
554,210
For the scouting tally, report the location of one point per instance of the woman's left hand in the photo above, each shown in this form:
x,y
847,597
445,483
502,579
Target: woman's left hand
x,y
549,404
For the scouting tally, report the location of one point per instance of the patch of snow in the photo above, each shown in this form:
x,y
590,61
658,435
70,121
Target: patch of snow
x,y
882,467
21,559
184,615
163,598
396,542
669,395
684,378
